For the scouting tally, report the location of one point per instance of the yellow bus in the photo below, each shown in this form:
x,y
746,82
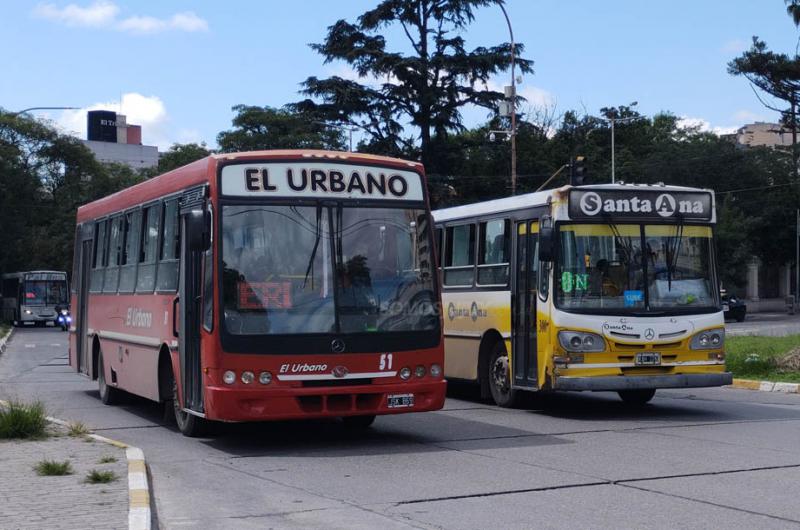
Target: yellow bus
x,y
600,288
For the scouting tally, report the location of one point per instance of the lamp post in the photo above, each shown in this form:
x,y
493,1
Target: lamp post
x,y
343,127
23,111
513,132
613,119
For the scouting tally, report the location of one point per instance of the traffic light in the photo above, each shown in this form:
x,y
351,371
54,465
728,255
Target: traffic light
x,y
577,170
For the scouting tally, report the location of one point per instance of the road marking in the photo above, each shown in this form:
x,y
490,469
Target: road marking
x,y
30,345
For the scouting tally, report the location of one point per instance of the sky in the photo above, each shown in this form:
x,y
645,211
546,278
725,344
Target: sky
x,y
177,67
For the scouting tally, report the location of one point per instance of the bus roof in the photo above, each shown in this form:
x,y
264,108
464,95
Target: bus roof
x,y
202,171
539,198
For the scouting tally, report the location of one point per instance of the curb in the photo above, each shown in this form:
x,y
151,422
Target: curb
x,y
766,386
5,339
138,488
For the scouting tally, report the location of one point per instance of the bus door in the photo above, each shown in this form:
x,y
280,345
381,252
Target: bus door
x,y
82,277
193,227
524,358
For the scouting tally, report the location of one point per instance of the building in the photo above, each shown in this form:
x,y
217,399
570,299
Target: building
x,y
112,139
762,134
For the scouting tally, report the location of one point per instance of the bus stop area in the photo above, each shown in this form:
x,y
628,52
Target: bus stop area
x,y
691,458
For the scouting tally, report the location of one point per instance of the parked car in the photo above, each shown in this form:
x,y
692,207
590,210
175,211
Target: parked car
x,y
733,307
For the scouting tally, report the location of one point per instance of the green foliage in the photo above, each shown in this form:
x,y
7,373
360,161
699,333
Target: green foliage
x,y
44,177
77,428
762,357
258,128
107,460
25,421
100,477
51,468
424,89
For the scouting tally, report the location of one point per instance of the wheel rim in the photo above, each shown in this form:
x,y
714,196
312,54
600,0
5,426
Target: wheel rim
x,y
500,374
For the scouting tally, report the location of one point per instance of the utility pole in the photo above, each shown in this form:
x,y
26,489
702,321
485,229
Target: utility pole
x,y
513,97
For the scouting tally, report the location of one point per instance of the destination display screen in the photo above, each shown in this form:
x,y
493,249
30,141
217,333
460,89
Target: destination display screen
x,y
640,203
320,180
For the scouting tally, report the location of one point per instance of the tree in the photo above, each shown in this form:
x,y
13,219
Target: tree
x,y
425,88
44,177
181,154
257,128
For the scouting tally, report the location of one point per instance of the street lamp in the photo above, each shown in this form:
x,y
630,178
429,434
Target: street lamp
x,y
342,127
513,97
613,119
23,111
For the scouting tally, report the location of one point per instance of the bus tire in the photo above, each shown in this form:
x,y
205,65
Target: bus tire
x,y
499,377
108,394
637,398
190,425
358,423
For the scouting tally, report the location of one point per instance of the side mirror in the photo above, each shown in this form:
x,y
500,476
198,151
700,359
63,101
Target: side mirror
x,y
546,238
198,230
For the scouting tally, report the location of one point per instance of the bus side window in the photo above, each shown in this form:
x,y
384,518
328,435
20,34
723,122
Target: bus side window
x,y
96,283
493,254
438,240
167,278
208,284
459,262
130,245
151,220
113,253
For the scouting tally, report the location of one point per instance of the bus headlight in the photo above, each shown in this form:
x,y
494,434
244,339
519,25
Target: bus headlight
x,y
248,377
265,378
28,312
419,371
580,341
229,377
405,373
436,370
709,339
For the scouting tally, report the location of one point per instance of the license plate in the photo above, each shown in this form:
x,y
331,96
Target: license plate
x,y
399,401
648,359
725,307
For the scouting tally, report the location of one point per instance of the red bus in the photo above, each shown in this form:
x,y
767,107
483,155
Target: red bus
x,y
264,285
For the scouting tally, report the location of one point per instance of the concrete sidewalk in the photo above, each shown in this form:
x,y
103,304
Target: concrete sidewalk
x,y
28,500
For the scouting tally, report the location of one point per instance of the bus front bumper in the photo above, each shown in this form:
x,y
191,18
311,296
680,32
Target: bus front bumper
x,y
616,383
237,404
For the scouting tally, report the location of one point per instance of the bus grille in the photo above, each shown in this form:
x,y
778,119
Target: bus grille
x,y
336,382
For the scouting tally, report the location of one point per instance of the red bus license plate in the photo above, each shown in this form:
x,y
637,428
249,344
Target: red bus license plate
x,y
648,359
399,401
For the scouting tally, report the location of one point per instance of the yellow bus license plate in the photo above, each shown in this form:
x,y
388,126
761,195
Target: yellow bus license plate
x,y
647,359
399,401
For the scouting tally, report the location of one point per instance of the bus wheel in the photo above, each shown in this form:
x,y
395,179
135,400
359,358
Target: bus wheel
x,y
358,423
189,424
108,394
500,377
637,398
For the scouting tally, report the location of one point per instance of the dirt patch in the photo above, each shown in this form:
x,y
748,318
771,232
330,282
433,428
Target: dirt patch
x,y
789,362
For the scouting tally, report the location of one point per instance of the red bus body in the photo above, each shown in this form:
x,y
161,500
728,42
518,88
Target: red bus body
x,y
135,331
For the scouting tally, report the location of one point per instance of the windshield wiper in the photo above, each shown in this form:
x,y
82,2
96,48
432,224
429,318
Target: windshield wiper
x,y
318,236
673,251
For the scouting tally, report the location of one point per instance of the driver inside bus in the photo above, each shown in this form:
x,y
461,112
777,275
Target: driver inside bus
x,y
601,280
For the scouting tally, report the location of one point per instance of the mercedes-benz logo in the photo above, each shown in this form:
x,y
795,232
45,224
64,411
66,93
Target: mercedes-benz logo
x,y
337,345
649,333
340,371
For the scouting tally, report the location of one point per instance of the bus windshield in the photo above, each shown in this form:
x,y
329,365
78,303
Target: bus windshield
x,y
635,268
326,269
45,292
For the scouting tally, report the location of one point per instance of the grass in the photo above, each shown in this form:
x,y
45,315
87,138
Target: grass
x,y
77,428
23,421
51,468
107,460
764,358
3,330
100,477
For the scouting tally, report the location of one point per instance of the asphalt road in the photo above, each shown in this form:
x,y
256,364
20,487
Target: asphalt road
x,y
773,324
710,458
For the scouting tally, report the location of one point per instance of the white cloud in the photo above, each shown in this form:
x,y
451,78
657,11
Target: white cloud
x,y
104,13
96,14
746,116
535,97
736,46
147,111
702,125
